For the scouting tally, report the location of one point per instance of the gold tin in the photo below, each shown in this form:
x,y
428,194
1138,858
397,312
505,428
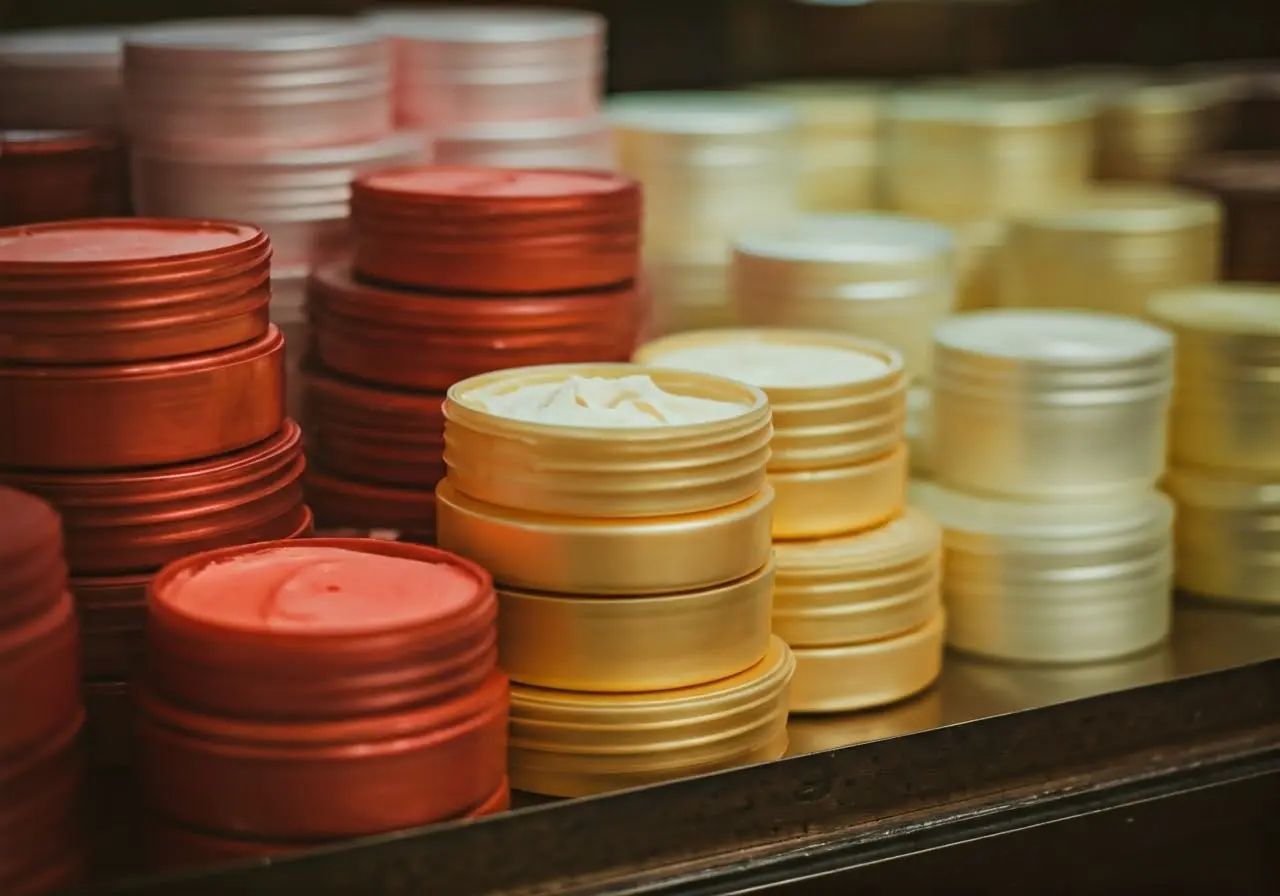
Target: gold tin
x,y
1050,405
1228,534
607,472
858,588
880,277
1112,249
1226,396
579,555
1150,130
811,733
1054,582
820,503
875,673
632,644
919,431
573,743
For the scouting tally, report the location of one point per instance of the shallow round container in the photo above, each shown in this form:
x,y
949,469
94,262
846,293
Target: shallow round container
x,y
429,341
879,277
853,589
33,573
319,668
618,557
486,230
610,471
297,781
818,733
1111,249
566,743
1061,582
39,678
615,644
342,503
582,142
1050,405
835,500
58,175
123,290
62,78
1248,186
849,677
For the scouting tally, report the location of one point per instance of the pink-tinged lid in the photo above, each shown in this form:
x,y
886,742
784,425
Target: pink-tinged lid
x,y
115,240
481,183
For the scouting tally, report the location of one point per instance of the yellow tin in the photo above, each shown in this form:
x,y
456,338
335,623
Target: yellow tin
x,y
820,503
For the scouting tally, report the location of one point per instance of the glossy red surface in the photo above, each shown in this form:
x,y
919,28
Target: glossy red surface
x,y
33,574
39,679
59,175
341,503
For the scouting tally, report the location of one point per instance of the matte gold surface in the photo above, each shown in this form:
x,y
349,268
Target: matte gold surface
x,y
861,676
857,588
1226,399
567,743
633,644
820,503
578,555
980,246
1055,582
1150,130
606,472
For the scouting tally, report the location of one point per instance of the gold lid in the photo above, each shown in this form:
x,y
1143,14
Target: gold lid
x,y
821,424
1126,208
607,472
819,733
862,587
629,644
821,503
875,673
580,555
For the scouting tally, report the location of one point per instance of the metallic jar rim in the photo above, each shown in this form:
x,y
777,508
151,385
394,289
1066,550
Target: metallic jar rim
x,y
908,543
391,146
824,502
23,142
1125,208
99,46
855,241
1230,311
243,36
622,557
991,106
590,471
534,130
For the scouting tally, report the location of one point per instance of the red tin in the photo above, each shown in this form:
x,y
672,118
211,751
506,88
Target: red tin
x,y
308,781
429,341
33,574
122,290
1248,186
493,230
58,175
341,503
140,415
39,678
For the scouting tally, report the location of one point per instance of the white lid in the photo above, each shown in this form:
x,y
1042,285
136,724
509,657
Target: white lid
x,y
849,239
1052,337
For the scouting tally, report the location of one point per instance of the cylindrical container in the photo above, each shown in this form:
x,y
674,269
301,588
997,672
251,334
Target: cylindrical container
x,y
342,503
583,142
618,559
58,175
875,276
675,442
110,417
33,573
61,78
1050,405
566,743
1063,582
1111,250
428,341
1226,399
462,66
121,290
39,678
1248,186
1228,534
1151,129
836,461
484,230
257,83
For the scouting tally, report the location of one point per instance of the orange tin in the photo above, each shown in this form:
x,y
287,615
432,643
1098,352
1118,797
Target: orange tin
x,y
59,175
33,574
39,679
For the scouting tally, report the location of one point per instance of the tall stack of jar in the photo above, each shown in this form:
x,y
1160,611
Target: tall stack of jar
x,y
625,516
511,88
857,589
713,165
1225,439
457,271
1057,546
142,394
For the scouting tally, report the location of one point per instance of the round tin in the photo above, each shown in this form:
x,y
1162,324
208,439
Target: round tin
x,y
1111,249
605,472
1061,582
307,781
583,142
1050,405
1248,186
487,230
879,277
919,431
812,733
850,677
620,557
58,175
567,743
835,500
428,342
247,668
123,290
342,503
1151,129
39,678
145,414
633,644
61,78
33,573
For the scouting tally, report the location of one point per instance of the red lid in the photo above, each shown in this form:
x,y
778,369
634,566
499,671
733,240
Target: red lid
x,y
32,572
39,680
59,175
341,503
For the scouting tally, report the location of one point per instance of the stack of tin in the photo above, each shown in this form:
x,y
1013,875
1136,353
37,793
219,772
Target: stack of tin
x,y
1225,439
457,271
41,762
141,393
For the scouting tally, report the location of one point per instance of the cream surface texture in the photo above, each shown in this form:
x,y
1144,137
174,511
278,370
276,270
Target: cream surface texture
x,y
625,402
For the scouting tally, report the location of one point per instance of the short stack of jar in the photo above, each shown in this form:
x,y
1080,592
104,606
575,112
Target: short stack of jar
x,y
1225,439
41,760
857,592
360,697
1051,427
141,393
456,272
634,576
